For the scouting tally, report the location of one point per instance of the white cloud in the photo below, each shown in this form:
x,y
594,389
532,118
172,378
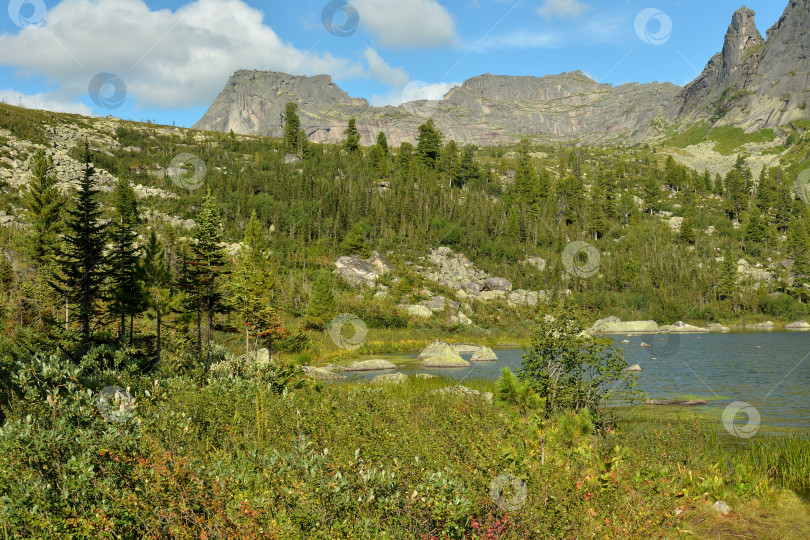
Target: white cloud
x,y
166,59
384,73
407,23
414,91
522,40
562,8
47,102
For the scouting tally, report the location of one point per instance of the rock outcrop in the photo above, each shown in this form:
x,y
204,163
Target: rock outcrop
x,y
370,365
614,325
798,325
753,83
681,327
484,354
360,272
441,354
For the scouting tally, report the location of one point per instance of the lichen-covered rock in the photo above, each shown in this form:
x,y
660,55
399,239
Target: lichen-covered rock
x,y
441,354
798,325
634,368
360,272
614,325
463,391
322,374
390,378
681,327
423,312
484,354
370,365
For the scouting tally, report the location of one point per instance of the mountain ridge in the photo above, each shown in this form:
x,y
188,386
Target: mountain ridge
x,y
752,83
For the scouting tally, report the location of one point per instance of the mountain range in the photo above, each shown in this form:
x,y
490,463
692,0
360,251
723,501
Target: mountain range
x,y
753,83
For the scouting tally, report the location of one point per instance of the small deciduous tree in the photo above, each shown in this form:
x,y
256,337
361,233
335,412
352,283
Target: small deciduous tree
x,y
572,370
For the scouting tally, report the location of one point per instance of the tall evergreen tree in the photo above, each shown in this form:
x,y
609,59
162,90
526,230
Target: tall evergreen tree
x,y
322,307
429,145
354,243
727,282
157,278
292,128
382,143
352,142
468,169
81,259
127,294
250,284
597,221
688,230
44,202
205,269
737,196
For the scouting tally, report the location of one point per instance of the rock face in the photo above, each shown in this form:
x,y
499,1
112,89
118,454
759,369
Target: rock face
x,y
484,110
614,325
753,83
362,272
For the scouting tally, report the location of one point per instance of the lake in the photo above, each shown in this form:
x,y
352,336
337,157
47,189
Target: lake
x,y
768,370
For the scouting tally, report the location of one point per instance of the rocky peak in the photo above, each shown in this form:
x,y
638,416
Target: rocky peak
x,y
742,35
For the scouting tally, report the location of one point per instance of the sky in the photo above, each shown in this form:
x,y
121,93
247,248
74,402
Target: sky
x,y
166,60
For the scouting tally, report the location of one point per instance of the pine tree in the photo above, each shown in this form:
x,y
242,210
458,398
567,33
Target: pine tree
x,y
156,274
449,162
468,169
798,249
525,185
44,203
382,143
127,294
688,230
652,191
292,129
727,283
597,221
429,144
205,270
352,142
322,307
737,196
82,263
354,243
250,284
719,189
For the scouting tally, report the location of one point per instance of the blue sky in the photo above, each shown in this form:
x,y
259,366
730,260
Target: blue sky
x,y
167,60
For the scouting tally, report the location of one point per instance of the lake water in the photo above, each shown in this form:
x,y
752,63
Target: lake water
x,y
768,370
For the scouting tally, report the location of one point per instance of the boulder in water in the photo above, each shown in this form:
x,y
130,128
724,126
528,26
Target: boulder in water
x,y
484,354
370,365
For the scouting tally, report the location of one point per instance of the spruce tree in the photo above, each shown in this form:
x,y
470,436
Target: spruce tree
x,y
688,230
727,282
468,169
354,243
44,202
597,221
205,269
127,291
737,196
322,307
82,264
250,284
157,277
429,144
352,142
382,143
292,129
